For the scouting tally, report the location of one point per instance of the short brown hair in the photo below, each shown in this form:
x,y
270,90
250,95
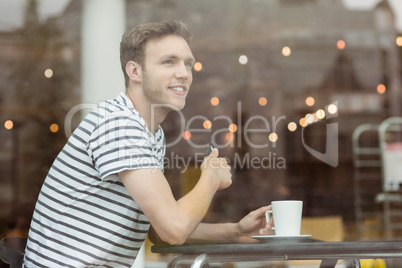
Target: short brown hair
x,y
133,42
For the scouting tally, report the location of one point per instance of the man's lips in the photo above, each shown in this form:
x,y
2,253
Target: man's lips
x,y
178,89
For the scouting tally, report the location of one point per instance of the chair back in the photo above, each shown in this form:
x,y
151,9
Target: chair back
x,y
12,250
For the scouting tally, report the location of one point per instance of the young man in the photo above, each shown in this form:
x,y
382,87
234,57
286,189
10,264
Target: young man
x,y
106,190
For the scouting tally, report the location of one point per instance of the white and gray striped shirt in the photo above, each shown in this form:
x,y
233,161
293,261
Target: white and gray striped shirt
x,y
84,216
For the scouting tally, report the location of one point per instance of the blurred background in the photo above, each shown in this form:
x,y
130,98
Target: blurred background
x,y
302,96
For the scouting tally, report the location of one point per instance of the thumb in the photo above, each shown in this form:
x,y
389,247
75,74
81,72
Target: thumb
x,y
214,153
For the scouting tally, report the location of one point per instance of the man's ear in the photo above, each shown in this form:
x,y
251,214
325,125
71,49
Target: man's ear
x,y
134,71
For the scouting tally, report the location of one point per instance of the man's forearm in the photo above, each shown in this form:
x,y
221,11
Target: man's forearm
x,y
196,203
253,223
205,233
214,233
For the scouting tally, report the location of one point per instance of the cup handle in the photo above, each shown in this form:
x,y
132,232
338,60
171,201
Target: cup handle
x,y
268,216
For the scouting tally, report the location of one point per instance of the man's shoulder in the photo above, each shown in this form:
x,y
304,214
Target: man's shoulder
x,y
118,105
115,110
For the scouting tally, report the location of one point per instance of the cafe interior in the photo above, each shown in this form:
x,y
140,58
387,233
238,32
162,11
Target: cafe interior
x,y
303,97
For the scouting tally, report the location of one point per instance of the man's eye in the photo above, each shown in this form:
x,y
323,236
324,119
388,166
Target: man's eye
x,y
190,65
168,62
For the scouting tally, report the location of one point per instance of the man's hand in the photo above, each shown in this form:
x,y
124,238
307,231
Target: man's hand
x,y
254,224
217,169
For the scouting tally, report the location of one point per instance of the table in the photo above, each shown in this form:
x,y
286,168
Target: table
x,y
328,252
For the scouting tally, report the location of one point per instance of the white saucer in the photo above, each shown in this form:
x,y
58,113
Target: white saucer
x,y
281,239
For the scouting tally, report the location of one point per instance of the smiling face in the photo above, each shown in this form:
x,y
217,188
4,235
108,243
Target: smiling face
x,y
167,71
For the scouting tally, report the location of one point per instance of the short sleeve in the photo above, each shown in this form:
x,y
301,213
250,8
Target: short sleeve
x,y
120,143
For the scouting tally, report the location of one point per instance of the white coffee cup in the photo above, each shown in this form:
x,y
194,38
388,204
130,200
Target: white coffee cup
x,y
287,217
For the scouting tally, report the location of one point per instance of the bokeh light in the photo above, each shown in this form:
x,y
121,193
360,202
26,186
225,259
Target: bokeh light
x,y
48,73
341,44
399,41
332,109
262,101
286,51
9,124
186,135
310,101
197,66
215,101
303,122
54,127
232,128
309,118
320,114
273,137
243,59
381,88
207,124
292,126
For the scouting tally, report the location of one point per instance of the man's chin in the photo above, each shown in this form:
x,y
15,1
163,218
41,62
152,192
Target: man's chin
x,y
178,106
171,107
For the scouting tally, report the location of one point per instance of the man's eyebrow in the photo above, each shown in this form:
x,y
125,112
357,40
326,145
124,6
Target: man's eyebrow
x,y
173,56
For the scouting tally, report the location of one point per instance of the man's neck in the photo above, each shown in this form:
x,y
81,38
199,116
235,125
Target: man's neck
x,y
153,116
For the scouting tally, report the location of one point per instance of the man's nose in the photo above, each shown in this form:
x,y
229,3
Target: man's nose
x,y
183,71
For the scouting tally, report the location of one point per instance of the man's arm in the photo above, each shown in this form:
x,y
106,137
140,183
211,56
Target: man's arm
x,y
252,224
174,221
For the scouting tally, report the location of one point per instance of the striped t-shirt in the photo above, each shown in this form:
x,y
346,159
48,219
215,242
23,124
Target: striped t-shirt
x,y
84,216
